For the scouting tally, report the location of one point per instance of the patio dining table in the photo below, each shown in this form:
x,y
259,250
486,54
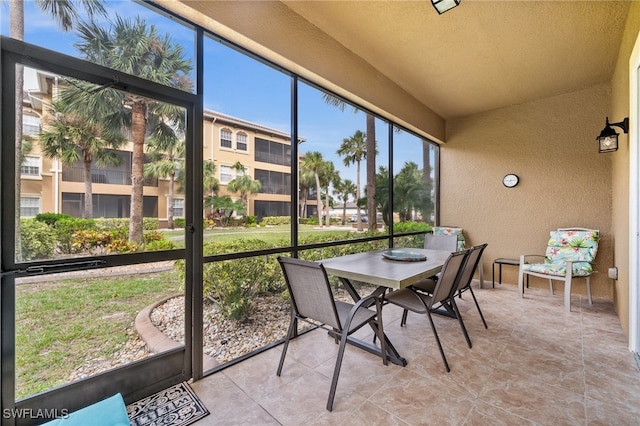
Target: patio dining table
x,y
391,268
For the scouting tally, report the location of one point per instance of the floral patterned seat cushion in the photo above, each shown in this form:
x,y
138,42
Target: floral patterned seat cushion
x,y
447,230
580,247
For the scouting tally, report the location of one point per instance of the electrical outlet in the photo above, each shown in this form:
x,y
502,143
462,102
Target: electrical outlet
x,y
613,273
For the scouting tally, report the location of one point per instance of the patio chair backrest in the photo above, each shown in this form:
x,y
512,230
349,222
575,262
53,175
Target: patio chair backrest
x,y
579,246
470,267
451,230
441,242
449,277
310,292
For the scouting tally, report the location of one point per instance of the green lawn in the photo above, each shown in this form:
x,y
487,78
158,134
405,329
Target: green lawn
x,y
62,325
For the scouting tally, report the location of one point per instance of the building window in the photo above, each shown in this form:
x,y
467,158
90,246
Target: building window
x,y
272,208
29,206
274,182
178,207
30,166
30,125
226,174
272,152
225,138
241,141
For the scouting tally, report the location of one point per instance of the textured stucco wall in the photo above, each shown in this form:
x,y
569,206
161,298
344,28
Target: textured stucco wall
x,y
564,181
620,165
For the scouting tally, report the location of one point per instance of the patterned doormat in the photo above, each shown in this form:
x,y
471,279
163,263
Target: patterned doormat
x,y
176,406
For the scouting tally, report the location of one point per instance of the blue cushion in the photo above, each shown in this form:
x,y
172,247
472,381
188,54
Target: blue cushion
x,y
108,412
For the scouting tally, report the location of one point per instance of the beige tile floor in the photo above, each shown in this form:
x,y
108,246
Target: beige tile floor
x,y
535,365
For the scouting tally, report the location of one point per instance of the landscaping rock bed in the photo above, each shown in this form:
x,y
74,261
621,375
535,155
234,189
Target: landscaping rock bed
x,y
223,339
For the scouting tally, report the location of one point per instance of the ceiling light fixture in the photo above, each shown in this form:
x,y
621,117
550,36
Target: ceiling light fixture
x,y
608,139
443,5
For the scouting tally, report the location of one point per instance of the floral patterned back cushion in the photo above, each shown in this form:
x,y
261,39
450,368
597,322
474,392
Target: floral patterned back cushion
x,y
447,230
580,247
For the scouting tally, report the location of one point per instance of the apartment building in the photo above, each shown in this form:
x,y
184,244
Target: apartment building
x,y
48,185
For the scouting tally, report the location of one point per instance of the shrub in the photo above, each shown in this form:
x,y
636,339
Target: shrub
x,y
155,240
37,240
160,245
112,223
149,237
51,218
100,241
234,284
90,240
308,221
180,222
252,220
150,223
66,227
410,240
276,220
122,245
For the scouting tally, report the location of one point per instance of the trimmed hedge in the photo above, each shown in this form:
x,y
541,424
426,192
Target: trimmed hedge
x,y
37,240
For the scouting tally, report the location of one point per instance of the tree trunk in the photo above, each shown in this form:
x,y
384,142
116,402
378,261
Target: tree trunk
x,y
327,220
138,130
170,223
318,200
16,30
371,171
359,216
344,213
426,178
88,190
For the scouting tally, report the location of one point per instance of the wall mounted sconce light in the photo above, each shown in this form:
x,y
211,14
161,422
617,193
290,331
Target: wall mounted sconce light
x,y
608,139
443,5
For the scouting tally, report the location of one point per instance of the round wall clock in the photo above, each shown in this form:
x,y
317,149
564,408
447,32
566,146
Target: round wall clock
x,y
510,180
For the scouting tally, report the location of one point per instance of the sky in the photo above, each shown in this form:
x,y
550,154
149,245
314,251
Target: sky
x,y
238,85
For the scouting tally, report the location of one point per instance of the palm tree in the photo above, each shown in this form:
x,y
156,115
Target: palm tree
x,y
344,189
224,207
77,135
305,182
133,47
166,152
313,162
408,190
382,194
210,183
328,175
427,208
371,159
244,184
64,13
354,150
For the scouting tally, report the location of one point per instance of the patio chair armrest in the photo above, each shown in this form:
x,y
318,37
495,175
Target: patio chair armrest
x,y
364,302
524,258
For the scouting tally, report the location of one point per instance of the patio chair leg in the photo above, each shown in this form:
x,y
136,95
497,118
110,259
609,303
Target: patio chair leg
x,y
478,306
403,321
379,328
464,329
336,371
290,333
435,334
589,290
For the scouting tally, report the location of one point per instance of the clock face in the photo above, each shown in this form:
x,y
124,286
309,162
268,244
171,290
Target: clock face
x,y
510,180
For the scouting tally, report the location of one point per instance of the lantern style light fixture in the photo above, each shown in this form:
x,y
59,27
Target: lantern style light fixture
x,y
608,139
443,5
